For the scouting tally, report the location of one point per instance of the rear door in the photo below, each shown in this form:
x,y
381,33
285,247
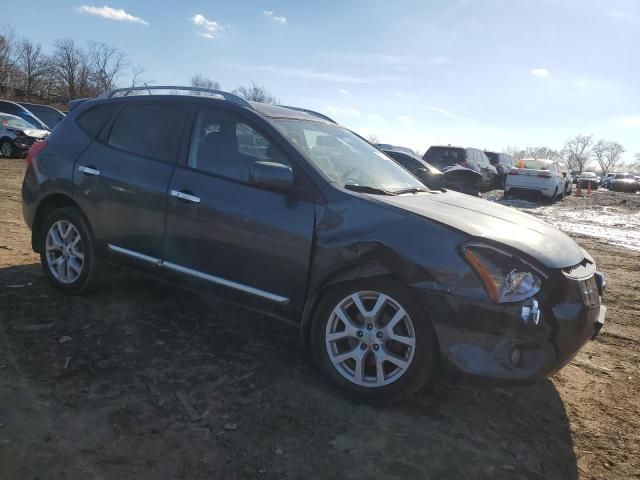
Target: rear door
x,y
121,179
227,235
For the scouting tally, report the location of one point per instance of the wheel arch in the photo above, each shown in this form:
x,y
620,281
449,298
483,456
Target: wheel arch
x,y
47,205
367,270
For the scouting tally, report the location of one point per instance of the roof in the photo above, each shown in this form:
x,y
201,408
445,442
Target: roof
x,y
268,110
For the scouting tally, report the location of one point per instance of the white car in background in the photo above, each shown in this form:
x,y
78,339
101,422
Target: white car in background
x,y
534,175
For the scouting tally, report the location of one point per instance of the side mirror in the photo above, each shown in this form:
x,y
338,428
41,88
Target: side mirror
x,y
271,175
564,174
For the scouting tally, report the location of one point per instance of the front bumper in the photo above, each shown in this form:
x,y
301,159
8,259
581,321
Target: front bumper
x,y
515,343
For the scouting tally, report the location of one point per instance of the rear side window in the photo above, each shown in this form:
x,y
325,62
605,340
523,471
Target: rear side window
x,y
442,157
405,161
151,131
95,118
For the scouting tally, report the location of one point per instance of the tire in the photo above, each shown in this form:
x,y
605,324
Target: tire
x,y
381,381
6,149
79,270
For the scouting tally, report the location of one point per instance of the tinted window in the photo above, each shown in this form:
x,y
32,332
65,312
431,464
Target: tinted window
x,y
223,143
407,162
151,131
95,118
48,116
441,157
7,107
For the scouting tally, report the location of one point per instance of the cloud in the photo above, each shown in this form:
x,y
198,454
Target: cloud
x,y
208,28
344,92
380,59
619,15
540,72
405,119
117,14
307,74
353,112
447,113
280,20
632,121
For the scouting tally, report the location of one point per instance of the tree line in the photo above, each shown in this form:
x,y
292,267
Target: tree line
x,y
72,70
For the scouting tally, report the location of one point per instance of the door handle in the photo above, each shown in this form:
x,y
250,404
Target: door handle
x,y
89,170
185,195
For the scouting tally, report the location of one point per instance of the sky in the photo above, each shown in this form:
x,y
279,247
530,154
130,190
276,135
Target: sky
x,y
481,73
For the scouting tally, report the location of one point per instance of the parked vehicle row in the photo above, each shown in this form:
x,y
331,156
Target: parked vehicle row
x,y
460,179
42,117
289,213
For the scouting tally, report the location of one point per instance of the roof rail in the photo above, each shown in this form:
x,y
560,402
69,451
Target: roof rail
x,y
147,90
310,112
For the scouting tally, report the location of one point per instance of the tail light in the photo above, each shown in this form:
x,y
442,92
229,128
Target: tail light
x,y
544,175
35,149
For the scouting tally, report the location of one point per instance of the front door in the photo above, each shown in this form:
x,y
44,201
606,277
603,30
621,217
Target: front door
x,y
225,233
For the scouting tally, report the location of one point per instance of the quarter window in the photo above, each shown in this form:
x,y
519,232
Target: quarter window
x,y
151,131
223,143
95,118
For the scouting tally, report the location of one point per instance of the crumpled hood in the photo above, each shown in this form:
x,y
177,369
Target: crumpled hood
x,y
481,218
35,132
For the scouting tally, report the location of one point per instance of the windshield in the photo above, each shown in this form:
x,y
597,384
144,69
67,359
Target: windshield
x,y
13,122
345,158
589,174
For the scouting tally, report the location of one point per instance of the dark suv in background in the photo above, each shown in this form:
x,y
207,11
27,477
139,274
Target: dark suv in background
x,y
503,163
286,212
448,157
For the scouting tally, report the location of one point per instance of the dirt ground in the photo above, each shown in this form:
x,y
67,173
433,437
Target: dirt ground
x,y
141,381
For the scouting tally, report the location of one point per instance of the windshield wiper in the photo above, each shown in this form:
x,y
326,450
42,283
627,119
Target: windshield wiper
x,y
368,189
410,190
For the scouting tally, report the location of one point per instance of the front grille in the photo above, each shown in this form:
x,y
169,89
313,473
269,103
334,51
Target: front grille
x,y
589,290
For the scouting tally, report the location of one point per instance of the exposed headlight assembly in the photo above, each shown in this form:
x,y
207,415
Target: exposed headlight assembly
x,y
506,277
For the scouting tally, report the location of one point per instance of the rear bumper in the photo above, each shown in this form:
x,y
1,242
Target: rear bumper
x,y
496,344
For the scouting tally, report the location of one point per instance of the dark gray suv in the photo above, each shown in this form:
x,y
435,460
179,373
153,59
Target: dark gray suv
x,y
284,211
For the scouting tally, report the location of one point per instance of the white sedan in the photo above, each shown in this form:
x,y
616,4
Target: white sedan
x,y
533,175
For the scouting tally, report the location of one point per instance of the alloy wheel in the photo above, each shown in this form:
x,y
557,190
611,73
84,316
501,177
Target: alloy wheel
x,y
370,339
64,251
7,149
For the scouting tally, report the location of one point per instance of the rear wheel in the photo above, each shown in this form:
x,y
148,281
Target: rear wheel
x,y
373,340
7,149
67,251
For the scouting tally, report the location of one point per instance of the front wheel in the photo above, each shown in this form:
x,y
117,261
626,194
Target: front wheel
x,y
374,341
67,251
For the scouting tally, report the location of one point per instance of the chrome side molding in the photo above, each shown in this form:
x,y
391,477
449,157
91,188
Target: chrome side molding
x,y
195,273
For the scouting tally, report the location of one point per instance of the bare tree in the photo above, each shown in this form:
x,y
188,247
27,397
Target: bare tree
x,y
607,154
201,81
256,94
8,57
107,64
136,77
33,65
533,152
577,152
373,138
69,64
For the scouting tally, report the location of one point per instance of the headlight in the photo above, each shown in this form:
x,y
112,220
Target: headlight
x,y
505,277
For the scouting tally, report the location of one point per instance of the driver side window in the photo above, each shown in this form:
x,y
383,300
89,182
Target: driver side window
x,y
225,144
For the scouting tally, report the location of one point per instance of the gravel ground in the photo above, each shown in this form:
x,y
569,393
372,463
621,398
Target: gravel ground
x,y
145,382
